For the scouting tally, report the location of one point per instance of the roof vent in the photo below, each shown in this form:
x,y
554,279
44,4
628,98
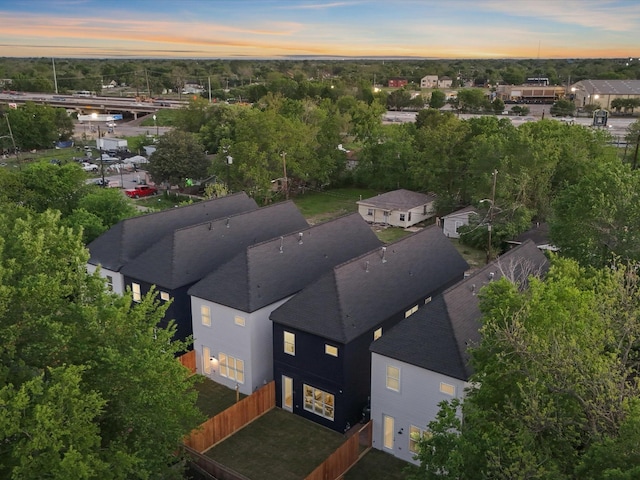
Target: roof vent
x,y
473,288
209,225
300,242
491,275
228,222
281,244
384,251
366,266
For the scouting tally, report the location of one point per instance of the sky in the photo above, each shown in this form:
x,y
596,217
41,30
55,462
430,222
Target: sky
x,y
254,29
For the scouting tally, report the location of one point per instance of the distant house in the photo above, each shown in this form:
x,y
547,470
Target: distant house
x,y
455,220
429,81
131,237
399,208
185,256
445,82
231,306
424,360
321,336
397,82
538,234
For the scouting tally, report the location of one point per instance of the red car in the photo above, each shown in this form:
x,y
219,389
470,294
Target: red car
x,y
141,191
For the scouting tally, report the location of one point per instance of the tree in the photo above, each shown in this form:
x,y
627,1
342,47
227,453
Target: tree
x,y
90,385
178,156
437,99
598,218
550,394
562,108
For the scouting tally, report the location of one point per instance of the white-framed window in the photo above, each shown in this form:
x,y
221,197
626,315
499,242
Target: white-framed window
x,y
206,360
135,290
409,216
330,350
427,300
109,283
457,225
231,367
370,212
402,217
240,321
447,389
205,315
290,343
393,378
377,333
164,296
319,402
415,434
411,311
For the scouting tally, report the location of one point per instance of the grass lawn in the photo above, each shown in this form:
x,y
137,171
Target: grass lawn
x,y
214,398
474,257
378,465
164,201
277,446
322,206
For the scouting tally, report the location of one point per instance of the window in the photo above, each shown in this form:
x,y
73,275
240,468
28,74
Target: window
x,y
110,283
415,434
370,212
164,296
411,311
331,350
135,289
448,389
427,300
232,368
319,402
239,321
290,343
409,216
402,217
393,378
424,209
377,333
457,225
205,314
206,359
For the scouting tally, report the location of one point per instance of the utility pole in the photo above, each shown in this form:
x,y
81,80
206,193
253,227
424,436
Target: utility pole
x,y
635,155
286,180
491,209
55,79
146,74
15,148
100,153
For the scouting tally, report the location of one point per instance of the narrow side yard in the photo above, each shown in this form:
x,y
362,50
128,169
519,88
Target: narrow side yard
x,y
214,398
277,446
378,465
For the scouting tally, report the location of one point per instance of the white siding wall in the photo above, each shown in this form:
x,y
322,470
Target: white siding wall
x,y
417,215
251,343
415,404
453,221
117,280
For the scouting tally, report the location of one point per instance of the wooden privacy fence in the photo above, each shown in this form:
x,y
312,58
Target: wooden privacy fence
x,y
210,466
345,456
189,360
232,419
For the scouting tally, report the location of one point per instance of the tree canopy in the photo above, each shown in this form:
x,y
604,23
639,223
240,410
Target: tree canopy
x,y
90,385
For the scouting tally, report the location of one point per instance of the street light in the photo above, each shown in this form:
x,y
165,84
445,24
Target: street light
x,y
229,163
155,124
491,211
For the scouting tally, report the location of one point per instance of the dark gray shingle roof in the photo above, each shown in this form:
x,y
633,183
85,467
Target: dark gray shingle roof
x,y
273,270
188,254
436,336
359,294
398,200
129,238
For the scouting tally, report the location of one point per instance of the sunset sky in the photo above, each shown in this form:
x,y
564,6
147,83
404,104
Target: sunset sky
x,y
287,28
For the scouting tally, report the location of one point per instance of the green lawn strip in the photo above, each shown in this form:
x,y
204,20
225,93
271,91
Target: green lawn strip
x,y
277,446
475,258
327,204
378,465
391,234
214,398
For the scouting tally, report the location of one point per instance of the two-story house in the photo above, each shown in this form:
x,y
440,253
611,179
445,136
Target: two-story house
x,y
424,359
321,336
128,238
231,306
183,257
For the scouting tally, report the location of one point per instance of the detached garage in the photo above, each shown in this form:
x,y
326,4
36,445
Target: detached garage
x,y
399,208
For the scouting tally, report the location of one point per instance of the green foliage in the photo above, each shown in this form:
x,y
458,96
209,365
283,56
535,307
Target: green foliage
x,y
598,218
178,156
550,396
36,126
91,387
563,108
438,99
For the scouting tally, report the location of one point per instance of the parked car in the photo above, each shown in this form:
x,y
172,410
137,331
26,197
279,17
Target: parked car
x,y
89,167
141,191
